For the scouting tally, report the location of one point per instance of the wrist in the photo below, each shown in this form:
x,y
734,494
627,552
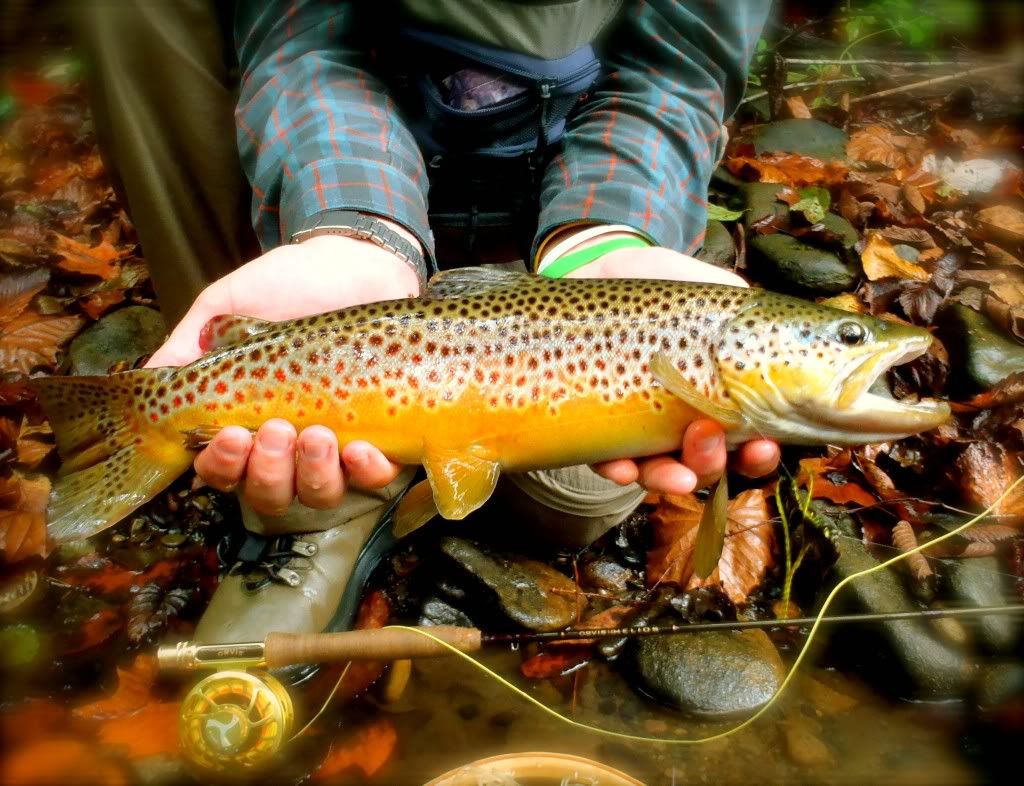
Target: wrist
x,y
570,248
369,269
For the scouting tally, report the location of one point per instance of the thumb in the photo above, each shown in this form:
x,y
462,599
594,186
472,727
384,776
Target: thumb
x,y
182,346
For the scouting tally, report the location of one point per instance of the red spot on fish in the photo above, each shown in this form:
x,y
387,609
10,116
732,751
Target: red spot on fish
x,y
153,417
339,367
549,374
404,400
599,364
376,341
431,403
478,375
520,381
258,408
268,394
350,416
177,401
361,382
295,368
306,387
325,382
319,403
259,373
221,388
301,413
280,376
190,397
239,397
192,376
390,392
417,358
433,376
239,372
211,406
289,397
392,411
394,349
204,385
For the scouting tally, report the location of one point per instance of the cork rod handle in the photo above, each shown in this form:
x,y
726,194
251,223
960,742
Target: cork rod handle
x,y
285,649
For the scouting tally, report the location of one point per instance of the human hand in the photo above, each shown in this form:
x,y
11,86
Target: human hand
x,y
321,274
703,449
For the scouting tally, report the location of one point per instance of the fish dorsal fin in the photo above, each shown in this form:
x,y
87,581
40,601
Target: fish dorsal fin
x,y
462,480
672,380
472,281
227,329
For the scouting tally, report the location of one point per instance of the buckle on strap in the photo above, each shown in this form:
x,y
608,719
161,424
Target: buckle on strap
x,y
278,558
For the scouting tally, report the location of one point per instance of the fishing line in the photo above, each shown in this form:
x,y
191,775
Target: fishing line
x,y
791,674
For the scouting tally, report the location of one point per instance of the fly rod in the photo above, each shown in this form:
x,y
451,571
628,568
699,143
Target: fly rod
x,y
286,649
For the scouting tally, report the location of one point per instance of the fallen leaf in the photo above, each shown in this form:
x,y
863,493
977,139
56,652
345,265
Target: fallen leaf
x,y
746,556
877,145
134,685
986,470
790,169
64,760
96,304
32,341
153,731
827,482
880,260
1002,221
94,631
555,661
23,524
17,291
367,750
1007,391
847,301
99,260
32,452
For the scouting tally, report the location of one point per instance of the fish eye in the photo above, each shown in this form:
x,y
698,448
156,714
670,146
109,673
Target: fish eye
x,y
852,333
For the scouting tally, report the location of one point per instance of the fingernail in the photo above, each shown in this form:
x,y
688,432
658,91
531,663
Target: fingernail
x,y
708,444
359,457
273,441
314,451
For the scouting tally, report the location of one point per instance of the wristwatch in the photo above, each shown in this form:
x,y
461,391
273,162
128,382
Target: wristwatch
x,y
349,223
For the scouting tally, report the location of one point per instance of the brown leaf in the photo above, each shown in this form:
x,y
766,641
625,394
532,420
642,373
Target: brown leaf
x,y
986,470
746,557
826,482
99,260
96,304
913,196
788,168
63,759
153,731
23,525
367,750
32,341
905,540
1002,222
1007,391
877,145
555,661
32,452
798,107
880,260
847,301
17,291
134,686
94,631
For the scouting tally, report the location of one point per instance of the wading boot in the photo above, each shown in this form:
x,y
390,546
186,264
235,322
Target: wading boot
x,y
302,572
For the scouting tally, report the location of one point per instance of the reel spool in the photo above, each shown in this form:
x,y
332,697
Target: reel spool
x,y
234,721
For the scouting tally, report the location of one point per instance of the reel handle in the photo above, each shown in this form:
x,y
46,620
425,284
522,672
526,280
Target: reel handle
x,y
285,649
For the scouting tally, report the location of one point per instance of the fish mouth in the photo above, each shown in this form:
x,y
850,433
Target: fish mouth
x,y
874,416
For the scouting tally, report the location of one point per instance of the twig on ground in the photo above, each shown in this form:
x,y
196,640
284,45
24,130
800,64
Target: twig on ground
x,y
799,85
935,81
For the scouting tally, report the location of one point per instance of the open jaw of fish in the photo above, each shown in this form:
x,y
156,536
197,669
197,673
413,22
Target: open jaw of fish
x,y
846,412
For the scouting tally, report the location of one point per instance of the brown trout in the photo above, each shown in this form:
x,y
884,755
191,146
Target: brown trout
x,y
492,371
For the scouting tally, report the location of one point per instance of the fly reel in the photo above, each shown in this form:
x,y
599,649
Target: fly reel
x,y
234,721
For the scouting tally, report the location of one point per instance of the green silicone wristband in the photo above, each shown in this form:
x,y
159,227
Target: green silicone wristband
x,y
562,266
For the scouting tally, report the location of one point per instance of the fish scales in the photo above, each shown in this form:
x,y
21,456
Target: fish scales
x,y
502,366
492,371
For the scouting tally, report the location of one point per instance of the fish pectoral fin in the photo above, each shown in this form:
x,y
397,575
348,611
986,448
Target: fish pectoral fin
x,y
463,281
462,480
414,509
673,381
227,329
707,551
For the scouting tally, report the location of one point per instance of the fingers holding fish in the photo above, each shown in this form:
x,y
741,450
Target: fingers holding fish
x,y
222,463
666,475
621,471
269,484
757,458
704,451
318,479
366,467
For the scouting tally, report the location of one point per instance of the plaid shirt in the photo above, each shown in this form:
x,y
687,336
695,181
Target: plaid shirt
x,y
318,131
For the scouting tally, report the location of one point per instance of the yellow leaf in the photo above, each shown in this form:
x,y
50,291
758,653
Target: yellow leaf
x,y
1002,220
880,260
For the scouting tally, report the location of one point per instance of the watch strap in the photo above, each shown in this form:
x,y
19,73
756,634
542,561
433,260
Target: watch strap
x,y
364,226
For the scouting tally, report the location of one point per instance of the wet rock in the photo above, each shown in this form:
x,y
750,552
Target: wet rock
x,y
719,247
977,345
436,612
604,573
530,593
979,582
806,137
803,266
999,684
759,201
710,674
122,337
804,746
905,654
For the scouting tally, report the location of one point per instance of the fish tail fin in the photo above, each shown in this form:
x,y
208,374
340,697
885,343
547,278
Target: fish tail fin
x,y
114,459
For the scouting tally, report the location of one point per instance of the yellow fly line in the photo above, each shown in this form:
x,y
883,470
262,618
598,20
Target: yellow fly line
x,y
801,656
